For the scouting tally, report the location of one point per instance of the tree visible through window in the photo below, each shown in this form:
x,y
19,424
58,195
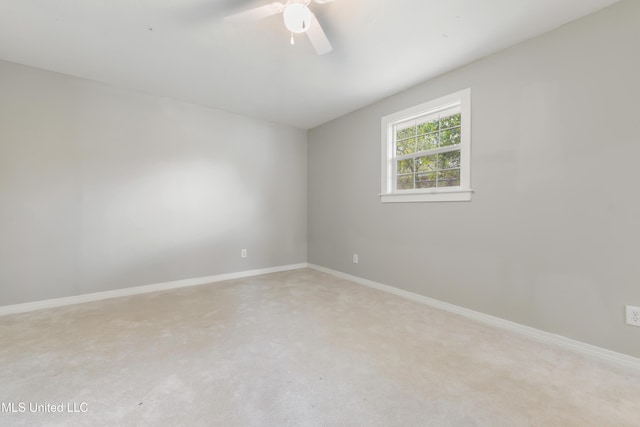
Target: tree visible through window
x,y
428,151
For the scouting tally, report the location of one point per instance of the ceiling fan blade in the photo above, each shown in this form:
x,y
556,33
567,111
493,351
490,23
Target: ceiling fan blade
x,y
257,13
317,37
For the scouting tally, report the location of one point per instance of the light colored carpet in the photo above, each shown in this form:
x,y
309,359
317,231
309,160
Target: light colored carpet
x,y
299,348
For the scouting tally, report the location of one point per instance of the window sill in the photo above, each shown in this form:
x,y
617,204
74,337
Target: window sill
x,y
432,196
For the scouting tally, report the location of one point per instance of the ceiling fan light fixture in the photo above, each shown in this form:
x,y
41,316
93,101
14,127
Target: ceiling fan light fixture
x,y
297,17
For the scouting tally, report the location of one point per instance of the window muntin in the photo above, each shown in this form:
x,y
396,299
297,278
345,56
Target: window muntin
x,y
426,150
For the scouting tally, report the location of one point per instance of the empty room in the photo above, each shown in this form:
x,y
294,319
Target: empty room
x,y
319,213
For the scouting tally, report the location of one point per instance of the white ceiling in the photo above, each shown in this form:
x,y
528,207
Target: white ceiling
x,y
182,48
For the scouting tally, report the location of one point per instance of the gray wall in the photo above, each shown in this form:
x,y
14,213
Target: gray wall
x,y
102,188
550,238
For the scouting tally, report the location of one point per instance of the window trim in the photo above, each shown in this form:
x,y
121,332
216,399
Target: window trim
x,y
443,194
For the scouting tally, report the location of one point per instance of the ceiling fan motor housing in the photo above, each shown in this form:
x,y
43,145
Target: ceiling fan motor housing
x,y
297,16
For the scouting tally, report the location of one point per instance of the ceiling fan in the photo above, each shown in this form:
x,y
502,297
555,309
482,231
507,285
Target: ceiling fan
x,y
298,18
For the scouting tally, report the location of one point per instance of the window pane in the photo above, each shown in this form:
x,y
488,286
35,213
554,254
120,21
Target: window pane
x,y
405,182
449,160
405,166
427,125
406,146
426,180
426,163
450,178
450,137
427,142
405,130
451,121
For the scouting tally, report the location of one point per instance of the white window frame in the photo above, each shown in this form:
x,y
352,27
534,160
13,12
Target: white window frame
x,y
444,194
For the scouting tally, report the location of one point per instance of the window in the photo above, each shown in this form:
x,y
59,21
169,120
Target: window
x,y
426,151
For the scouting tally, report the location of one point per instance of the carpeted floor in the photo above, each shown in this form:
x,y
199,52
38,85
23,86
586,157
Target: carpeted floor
x,y
299,348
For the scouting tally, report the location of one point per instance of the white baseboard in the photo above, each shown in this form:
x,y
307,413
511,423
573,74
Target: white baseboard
x,y
547,337
96,296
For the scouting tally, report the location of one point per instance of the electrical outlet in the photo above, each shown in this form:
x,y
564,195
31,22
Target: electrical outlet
x,y
633,315
355,258
243,253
